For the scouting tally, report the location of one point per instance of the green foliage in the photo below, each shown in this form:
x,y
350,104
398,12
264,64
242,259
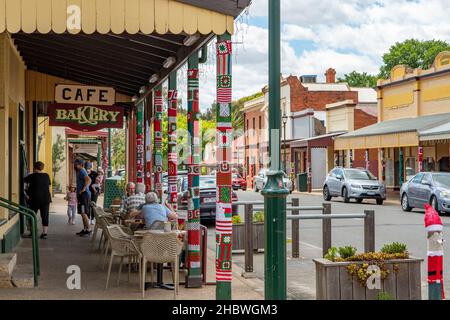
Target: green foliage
x,y
384,296
331,254
347,252
394,248
118,148
58,155
236,219
413,53
357,79
258,216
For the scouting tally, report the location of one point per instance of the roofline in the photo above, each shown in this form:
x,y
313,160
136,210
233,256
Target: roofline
x,y
226,6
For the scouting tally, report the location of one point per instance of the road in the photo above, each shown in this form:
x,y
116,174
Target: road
x,y
392,224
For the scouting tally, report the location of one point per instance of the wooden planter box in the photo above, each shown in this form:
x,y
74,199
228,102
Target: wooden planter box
x,y
333,282
239,236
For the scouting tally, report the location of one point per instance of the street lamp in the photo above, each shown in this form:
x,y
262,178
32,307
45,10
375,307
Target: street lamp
x,y
285,119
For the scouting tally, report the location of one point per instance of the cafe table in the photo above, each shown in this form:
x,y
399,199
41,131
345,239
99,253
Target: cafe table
x,y
139,234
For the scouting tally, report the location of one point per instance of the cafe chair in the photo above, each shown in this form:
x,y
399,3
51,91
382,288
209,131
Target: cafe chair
x,y
161,248
157,225
123,247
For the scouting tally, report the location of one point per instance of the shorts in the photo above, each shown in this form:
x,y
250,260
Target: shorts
x,y
84,201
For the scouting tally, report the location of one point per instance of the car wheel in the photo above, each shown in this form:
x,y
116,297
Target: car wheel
x,y
359,200
326,194
405,203
380,202
434,204
345,195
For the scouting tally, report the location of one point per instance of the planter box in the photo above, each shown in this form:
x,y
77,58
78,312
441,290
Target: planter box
x,y
239,236
333,282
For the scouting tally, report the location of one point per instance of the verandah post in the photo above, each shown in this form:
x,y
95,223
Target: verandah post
x,y
194,277
224,136
172,159
157,140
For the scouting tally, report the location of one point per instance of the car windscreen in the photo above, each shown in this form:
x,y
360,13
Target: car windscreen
x,y
442,180
359,175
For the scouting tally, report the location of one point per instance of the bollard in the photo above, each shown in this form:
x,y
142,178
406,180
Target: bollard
x,y
369,231
435,252
326,229
295,230
248,238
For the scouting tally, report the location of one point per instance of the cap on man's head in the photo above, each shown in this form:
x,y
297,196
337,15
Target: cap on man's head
x,y
88,165
78,162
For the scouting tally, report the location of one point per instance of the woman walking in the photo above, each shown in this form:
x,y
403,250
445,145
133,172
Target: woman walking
x,y
38,192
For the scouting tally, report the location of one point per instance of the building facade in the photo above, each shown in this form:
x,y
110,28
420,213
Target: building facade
x,y
412,133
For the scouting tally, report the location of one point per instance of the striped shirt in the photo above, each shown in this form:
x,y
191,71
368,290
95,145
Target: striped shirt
x,y
132,203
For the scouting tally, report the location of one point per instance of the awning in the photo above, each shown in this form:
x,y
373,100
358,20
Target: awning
x,y
441,132
390,134
118,16
322,141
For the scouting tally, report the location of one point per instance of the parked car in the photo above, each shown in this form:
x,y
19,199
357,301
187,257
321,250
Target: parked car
x,y
239,182
208,197
120,173
261,179
427,187
356,184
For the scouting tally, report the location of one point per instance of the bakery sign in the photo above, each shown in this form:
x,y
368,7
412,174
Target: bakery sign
x,y
85,117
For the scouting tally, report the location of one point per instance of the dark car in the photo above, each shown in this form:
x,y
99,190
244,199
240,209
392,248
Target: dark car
x,y
208,198
427,187
239,182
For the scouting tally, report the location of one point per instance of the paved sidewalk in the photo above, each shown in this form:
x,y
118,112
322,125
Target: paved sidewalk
x,y
63,248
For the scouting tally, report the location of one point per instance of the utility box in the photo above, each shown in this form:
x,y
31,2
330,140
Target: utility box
x,y
302,182
113,190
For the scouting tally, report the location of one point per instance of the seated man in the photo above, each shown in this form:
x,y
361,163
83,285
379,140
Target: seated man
x,y
134,201
153,211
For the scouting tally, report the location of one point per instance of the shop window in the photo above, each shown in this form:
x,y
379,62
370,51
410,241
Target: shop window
x,y
444,164
390,172
428,164
410,168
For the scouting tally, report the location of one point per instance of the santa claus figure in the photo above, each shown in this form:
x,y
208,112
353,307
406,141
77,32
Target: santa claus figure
x,y
435,252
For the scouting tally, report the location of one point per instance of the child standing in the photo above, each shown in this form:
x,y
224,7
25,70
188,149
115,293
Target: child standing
x,y
71,198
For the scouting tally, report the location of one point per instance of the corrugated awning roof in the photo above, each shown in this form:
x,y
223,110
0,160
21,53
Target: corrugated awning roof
x,y
400,125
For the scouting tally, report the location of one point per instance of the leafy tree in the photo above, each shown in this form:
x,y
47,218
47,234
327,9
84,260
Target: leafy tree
x,y
412,53
357,79
58,156
118,148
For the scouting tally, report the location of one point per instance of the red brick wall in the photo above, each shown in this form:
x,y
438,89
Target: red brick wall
x,y
359,160
302,99
363,119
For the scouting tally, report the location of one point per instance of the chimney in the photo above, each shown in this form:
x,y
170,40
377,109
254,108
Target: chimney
x,y
331,75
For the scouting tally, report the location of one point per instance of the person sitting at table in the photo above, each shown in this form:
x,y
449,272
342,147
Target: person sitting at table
x,y
132,203
154,211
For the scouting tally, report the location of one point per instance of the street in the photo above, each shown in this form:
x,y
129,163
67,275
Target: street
x,y
392,225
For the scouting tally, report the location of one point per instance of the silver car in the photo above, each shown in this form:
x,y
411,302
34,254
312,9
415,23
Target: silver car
x,y
427,187
261,179
356,184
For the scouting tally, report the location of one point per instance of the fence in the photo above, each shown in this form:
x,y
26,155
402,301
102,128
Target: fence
x,y
326,216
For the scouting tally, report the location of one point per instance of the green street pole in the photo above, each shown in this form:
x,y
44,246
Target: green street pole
x,y
400,169
274,192
109,153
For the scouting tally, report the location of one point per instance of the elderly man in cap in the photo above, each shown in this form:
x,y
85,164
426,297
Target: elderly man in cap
x,y
83,195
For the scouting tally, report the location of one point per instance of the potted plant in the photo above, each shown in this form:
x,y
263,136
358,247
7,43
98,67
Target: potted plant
x,y
392,273
239,232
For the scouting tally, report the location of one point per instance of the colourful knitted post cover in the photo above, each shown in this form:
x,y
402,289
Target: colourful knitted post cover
x,y
157,140
172,160
140,142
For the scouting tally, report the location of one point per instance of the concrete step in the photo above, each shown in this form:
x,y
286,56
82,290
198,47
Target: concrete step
x,y
7,264
23,276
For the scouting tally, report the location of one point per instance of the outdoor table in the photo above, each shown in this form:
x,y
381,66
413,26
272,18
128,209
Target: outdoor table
x,y
139,234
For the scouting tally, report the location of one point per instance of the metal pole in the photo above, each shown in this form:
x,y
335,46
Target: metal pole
x,y
248,238
274,193
295,230
284,147
400,168
369,231
109,153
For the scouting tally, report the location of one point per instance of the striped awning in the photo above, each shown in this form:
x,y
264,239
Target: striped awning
x,y
114,16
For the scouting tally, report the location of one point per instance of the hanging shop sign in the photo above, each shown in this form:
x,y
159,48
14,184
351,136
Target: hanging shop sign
x,y
90,148
78,94
85,117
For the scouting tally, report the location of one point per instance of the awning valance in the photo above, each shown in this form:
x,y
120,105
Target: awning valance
x,y
115,16
393,140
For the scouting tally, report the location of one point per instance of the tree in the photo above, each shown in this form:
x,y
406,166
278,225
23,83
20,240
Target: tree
x,y
357,79
58,156
412,53
118,148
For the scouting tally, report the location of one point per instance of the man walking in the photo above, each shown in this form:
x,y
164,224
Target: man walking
x,y
83,195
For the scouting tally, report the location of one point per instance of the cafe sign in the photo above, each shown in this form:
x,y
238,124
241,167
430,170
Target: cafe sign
x,y
85,117
85,95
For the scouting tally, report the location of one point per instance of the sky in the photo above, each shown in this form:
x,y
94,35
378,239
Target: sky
x,y
346,35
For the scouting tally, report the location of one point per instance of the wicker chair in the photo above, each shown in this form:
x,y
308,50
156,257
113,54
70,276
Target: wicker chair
x,y
121,247
160,248
118,232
